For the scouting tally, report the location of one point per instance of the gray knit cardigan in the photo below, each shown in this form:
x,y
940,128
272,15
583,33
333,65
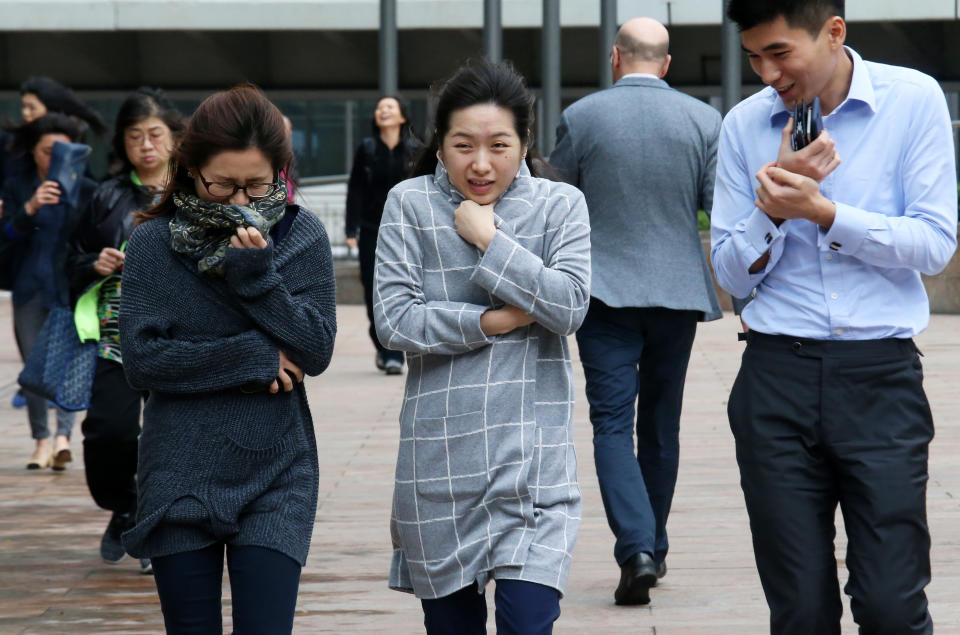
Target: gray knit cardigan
x,y
222,459
486,478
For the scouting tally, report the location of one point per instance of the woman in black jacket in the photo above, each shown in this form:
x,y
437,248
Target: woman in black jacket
x,y
146,131
380,162
35,227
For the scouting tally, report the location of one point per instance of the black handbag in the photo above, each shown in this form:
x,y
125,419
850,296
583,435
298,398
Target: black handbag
x,y
61,367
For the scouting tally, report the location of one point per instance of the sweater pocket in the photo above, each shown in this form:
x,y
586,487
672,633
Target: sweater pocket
x,y
554,474
449,458
257,421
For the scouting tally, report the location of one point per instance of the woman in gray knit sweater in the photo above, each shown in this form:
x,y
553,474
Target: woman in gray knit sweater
x,y
228,300
482,271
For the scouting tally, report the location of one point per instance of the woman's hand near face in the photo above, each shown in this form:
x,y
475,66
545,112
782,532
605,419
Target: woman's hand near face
x,y
504,320
109,261
47,194
248,238
284,378
475,224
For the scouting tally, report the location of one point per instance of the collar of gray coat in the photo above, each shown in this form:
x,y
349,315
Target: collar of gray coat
x,y
442,180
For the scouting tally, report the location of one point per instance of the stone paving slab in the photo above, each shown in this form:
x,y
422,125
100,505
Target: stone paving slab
x,y
52,581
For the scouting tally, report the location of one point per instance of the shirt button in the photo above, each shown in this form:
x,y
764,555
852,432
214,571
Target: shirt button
x,y
834,296
839,331
829,256
768,238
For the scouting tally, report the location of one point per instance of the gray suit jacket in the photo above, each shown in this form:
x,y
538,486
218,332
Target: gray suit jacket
x,y
644,156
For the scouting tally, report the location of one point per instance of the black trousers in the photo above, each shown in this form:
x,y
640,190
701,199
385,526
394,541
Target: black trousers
x,y
367,246
822,423
263,587
522,608
110,434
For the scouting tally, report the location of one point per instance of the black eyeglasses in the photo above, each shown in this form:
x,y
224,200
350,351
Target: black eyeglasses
x,y
254,191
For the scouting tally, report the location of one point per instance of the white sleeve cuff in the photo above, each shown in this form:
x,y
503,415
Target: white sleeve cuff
x,y
849,229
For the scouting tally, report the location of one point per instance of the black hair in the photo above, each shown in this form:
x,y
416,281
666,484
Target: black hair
x,y
143,104
805,14
482,82
58,98
406,130
28,135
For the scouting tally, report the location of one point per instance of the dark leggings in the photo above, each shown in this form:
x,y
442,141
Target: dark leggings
x,y
110,433
522,608
263,585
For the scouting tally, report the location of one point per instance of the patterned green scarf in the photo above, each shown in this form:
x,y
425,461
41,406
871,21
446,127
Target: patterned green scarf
x,y
201,230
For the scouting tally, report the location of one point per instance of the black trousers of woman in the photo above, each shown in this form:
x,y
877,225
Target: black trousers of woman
x,y
263,590
367,246
110,434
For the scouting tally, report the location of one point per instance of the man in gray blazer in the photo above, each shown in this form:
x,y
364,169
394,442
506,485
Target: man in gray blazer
x,y
644,155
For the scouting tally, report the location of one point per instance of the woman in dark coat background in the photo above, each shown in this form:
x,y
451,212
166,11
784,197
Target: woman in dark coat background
x,y
381,161
38,223
144,138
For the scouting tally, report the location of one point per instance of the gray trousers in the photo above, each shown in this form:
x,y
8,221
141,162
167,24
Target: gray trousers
x,y
28,319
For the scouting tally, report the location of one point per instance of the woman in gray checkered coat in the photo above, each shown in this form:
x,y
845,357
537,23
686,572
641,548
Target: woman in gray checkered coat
x,y
482,271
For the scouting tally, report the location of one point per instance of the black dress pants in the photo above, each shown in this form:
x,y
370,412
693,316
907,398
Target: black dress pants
x,y
110,434
822,423
367,246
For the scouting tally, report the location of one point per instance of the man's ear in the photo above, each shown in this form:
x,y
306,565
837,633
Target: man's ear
x,y
666,67
836,31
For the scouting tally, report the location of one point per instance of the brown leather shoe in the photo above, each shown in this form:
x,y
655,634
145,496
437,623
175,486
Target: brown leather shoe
x,y
61,454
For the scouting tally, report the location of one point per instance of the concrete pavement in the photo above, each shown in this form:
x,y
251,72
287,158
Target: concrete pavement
x,y
52,581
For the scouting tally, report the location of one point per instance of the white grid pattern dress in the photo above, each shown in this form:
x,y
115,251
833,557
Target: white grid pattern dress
x,y
486,472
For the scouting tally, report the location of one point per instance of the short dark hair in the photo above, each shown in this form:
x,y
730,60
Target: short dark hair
x,y
143,104
804,14
28,135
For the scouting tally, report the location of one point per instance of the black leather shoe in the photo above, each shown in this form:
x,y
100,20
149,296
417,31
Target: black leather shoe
x,y
637,575
661,569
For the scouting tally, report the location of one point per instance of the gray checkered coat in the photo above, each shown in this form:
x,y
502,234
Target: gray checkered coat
x,y
486,479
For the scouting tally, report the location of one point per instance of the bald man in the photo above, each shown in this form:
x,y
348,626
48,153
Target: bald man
x,y
644,156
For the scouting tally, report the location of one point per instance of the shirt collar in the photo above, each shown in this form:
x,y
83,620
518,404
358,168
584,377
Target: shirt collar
x,y
640,76
861,88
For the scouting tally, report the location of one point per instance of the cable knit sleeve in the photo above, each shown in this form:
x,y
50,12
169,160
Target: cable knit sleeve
x,y
153,357
295,305
405,319
554,291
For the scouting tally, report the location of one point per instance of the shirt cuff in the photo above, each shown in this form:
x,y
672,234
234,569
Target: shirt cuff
x,y
849,229
760,233
470,324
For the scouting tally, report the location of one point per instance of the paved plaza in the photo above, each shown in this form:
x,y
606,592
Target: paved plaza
x,y
52,580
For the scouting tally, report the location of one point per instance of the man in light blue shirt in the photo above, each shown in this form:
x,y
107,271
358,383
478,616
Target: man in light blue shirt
x,y
831,240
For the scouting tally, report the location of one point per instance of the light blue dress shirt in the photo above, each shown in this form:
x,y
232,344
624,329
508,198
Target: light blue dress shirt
x,y
896,199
